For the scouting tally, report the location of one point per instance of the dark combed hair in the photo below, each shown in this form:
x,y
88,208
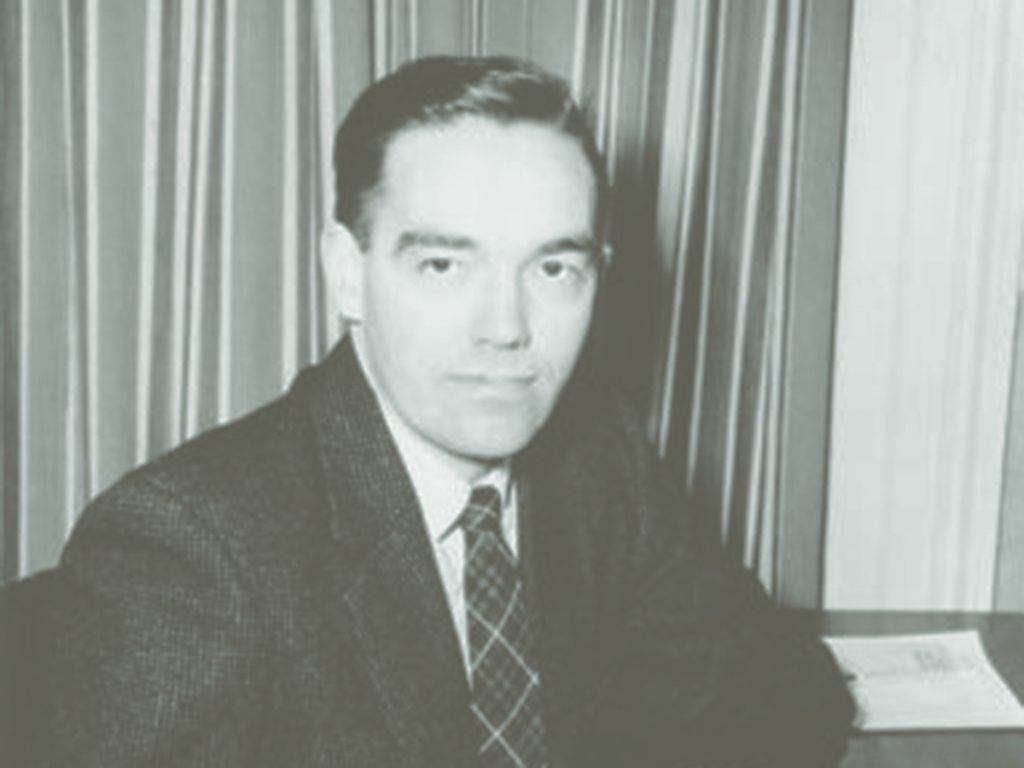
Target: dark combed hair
x,y
437,91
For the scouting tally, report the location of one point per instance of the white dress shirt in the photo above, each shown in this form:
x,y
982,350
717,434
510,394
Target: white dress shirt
x,y
442,493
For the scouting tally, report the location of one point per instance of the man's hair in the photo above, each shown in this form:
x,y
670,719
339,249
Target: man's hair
x,y
438,91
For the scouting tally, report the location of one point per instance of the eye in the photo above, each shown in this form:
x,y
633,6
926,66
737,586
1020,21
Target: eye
x,y
437,265
563,267
553,268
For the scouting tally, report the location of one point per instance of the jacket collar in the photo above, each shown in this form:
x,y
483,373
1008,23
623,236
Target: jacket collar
x,y
382,582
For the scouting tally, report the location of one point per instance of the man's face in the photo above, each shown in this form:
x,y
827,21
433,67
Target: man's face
x,y
478,282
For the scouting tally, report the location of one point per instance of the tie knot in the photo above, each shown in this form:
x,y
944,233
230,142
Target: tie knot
x,y
483,511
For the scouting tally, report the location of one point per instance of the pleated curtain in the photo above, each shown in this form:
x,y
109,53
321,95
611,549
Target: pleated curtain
x,y
166,173
925,452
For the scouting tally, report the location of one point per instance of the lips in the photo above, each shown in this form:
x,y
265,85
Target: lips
x,y
505,386
509,379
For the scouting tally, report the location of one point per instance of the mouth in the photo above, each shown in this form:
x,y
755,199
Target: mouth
x,y
511,381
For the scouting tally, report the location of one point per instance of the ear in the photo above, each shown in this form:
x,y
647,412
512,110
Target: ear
x,y
342,261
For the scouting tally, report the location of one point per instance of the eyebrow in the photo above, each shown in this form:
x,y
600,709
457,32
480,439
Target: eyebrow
x,y
419,238
415,238
580,243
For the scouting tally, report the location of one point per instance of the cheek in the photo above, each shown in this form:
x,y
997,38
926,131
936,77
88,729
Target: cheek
x,y
395,313
565,328
413,338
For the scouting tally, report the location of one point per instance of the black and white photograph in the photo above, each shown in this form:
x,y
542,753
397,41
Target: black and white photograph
x,y
511,383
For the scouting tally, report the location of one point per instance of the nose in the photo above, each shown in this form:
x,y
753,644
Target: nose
x,y
502,320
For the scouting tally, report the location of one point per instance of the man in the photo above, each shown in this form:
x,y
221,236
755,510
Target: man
x,y
447,545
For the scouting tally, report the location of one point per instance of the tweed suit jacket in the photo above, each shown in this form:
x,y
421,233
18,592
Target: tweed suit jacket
x,y
266,595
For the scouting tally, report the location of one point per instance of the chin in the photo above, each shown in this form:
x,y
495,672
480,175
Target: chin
x,y
488,434
493,447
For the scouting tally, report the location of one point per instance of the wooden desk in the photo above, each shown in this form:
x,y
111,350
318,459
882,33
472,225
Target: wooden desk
x,y
1003,637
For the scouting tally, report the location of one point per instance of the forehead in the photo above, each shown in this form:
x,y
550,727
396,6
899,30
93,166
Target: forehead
x,y
485,178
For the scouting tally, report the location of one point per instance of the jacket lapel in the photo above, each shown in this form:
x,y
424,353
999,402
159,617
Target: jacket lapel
x,y
563,578
382,584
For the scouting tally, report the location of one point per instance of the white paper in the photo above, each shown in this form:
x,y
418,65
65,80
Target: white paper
x,y
938,680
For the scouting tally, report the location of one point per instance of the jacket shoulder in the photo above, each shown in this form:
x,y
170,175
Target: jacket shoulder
x,y
237,484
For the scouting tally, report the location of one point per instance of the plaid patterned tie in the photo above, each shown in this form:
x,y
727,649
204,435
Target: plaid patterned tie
x,y
506,686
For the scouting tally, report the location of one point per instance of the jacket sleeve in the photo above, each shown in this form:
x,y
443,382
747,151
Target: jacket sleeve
x,y
713,673
151,654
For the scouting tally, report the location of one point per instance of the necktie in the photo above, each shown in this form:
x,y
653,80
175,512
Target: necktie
x,y
506,686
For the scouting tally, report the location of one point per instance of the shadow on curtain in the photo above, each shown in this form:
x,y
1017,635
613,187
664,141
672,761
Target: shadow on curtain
x,y
166,171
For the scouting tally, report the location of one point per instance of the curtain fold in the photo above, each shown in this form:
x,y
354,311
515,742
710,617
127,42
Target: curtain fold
x,y
719,393
173,173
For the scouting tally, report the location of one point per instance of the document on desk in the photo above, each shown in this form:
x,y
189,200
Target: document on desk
x,y
937,680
